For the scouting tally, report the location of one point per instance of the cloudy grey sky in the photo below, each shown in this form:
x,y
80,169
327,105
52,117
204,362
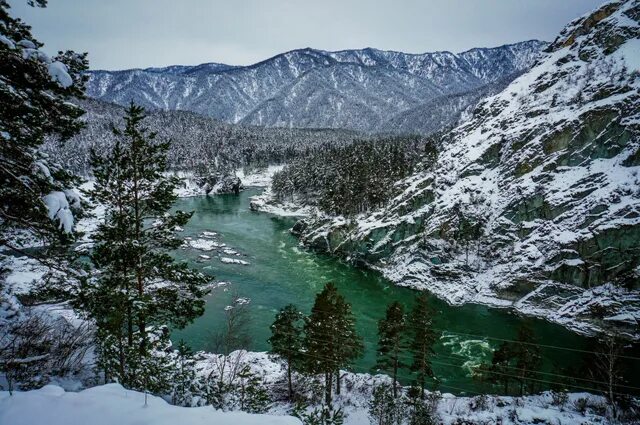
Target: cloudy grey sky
x,y
140,33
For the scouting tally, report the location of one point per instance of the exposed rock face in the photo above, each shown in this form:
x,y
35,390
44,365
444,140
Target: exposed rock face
x,y
223,184
535,202
355,89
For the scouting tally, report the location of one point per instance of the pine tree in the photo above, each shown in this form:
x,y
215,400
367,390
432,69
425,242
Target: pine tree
x,y
34,103
392,342
287,339
350,345
252,395
384,408
517,360
138,286
422,338
184,378
420,410
498,372
331,340
321,415
527,357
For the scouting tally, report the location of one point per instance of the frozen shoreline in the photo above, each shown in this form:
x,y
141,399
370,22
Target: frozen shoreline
x,y
261,178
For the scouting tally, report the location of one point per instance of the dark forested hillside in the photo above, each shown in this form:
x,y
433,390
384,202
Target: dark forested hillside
x,y
354,178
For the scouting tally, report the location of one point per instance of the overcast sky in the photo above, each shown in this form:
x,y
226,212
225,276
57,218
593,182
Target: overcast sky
x,y
140,33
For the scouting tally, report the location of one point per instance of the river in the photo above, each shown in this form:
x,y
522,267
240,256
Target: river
x,y
281,272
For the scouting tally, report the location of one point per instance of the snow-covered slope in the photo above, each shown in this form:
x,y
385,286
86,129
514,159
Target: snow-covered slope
x,y
355,89
112,404
197,143
535,202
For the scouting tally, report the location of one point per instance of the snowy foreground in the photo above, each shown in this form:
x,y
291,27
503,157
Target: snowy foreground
x,y
112,404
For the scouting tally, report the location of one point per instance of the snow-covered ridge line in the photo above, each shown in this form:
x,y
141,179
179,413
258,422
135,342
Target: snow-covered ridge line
x,y
356,89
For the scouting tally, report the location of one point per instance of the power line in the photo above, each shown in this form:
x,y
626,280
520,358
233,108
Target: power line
x,y
439,384
510,340
404,351
517,377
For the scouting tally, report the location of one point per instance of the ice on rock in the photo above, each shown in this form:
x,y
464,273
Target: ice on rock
x,y
227,260
204,244
229,251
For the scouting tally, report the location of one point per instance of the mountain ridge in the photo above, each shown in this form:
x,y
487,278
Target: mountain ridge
x,y
308,48
354,89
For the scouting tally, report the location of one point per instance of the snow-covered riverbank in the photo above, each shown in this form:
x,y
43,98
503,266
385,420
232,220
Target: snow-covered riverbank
x,y
257,178
568,305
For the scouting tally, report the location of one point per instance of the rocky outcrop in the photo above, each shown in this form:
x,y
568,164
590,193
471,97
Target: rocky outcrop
x,y
218,184
228,184
536,200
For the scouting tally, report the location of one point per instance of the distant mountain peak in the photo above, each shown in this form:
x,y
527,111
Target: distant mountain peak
x,y
360,89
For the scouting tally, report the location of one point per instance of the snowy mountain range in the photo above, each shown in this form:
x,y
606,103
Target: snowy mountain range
x,y
534,203
367,90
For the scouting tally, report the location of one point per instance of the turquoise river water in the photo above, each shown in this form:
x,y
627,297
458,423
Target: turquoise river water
x,y
281,272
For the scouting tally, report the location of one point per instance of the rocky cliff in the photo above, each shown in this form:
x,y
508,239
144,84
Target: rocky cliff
x,y
535,202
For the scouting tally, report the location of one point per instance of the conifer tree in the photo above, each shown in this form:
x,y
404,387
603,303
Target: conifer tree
x,y
418,410
498,372
422,337
34,103
384,408
392,342
517,360
138,286
184,377
287,339
527,357
252,395
350,345
331,340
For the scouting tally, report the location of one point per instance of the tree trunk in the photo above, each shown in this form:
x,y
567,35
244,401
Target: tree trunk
x,y
327,387
122,358
289,379
522,385
338,382
395,379
611,375
139,277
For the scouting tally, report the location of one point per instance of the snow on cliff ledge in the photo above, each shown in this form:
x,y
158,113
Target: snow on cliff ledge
x,y
112,404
